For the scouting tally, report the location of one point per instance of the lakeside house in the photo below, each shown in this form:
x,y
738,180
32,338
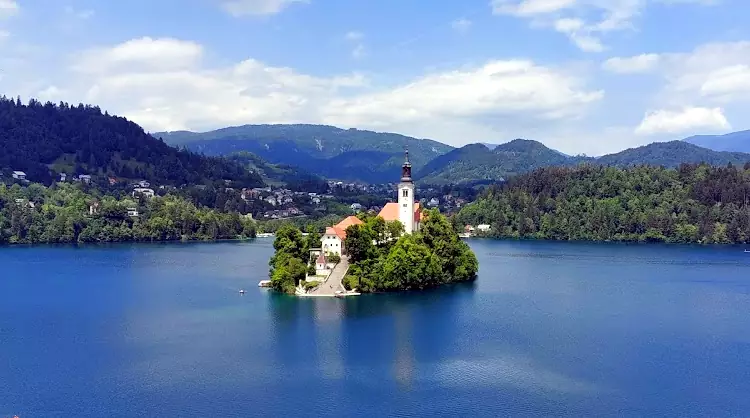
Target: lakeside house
x,y
133,212
63,177
334,237
19,175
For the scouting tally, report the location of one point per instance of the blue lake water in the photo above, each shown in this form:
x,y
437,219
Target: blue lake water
x,y
563,329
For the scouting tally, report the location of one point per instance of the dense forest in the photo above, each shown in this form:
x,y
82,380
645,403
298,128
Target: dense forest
x,y
45,139
432,257
694,203
68,213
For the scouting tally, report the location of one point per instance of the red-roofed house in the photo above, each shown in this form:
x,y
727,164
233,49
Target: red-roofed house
x,y
333,239
405,211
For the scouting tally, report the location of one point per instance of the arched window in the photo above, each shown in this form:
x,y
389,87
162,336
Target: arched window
x,y
406,192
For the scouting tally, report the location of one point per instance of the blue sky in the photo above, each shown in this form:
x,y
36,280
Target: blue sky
x,y
582,76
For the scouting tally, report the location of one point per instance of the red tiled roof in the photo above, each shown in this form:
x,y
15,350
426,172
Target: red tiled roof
x,y
332,230
321,259
349,221
389,213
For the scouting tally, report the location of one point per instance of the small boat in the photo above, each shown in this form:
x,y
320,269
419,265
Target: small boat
x,y
242,291
264,283
747,251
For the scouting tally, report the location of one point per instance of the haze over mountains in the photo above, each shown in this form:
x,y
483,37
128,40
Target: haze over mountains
x,y
360,155
735,141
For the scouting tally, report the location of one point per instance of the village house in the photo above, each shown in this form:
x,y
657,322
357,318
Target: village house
x,y
19,175
133,212
143,184
86,178
334,237
148,193
24,202
93,208
356,207
484,228
63,177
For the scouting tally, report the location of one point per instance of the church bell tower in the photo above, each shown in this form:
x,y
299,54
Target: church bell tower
x,y
406,197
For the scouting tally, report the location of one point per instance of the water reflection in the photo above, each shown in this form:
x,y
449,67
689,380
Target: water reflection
x,y
372,334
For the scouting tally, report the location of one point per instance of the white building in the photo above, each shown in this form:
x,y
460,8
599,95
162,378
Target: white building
x,y
63,176
84,178
19,175
133,212
406,210
334,240
483,228
148,193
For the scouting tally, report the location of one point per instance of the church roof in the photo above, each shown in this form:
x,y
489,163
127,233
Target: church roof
x,y
390,212
321,259
349,221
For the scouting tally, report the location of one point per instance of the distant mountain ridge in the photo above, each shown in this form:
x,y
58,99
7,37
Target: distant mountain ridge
x,y
476,161
733,142
346,154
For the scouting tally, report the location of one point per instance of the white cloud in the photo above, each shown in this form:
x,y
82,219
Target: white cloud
x,y
461,25
583,21
499,89
164,85
689,119
8,8
141,54
637,64
256,7
717,73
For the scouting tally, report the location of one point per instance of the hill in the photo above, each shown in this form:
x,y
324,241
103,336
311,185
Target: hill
x,y
672,154
46,139
476,161
345,154
735,141
281,174
691,204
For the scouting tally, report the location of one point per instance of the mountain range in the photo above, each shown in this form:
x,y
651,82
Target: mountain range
x,y
346,154
45,139
735,141
374,157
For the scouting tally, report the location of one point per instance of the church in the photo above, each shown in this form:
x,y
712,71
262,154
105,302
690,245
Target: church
x,y
406,210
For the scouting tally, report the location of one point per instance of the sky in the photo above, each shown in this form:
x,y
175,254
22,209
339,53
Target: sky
x,y
581,76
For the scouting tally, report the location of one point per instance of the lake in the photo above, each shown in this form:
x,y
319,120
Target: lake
x,y
563,329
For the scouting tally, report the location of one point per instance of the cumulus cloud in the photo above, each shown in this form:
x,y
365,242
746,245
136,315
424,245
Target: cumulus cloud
x,y
140,54
689,119
716,73
256,7
164,84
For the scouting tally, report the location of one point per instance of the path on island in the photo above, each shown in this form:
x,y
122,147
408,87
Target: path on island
x,y
330,286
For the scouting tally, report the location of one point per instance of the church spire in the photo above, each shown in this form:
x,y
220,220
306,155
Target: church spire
x,y
406,169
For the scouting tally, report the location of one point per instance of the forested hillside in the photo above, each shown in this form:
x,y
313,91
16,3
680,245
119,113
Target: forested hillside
x,y
67,213
345,154
521,156
694,203
45,139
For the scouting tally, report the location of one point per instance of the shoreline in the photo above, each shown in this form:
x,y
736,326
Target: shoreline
x,y
104,243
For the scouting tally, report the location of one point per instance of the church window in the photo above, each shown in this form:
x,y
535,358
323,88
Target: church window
x,y
406,192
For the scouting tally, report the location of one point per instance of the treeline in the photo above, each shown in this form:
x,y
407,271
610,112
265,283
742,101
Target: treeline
x,y
429,258
66,213
694,203
45,139
291,261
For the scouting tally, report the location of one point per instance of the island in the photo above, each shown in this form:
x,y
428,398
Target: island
x,y
402,248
